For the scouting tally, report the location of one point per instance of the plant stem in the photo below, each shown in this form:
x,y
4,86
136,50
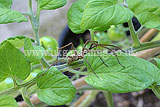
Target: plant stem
x,y
11,90
136,42
26,98
92,34
34,23
35,26
44,63
109,98
147,45
75,71
156,91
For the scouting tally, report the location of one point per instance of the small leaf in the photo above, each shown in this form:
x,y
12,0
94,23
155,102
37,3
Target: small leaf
x,y
10,16
16,41
51,4
7,101
100,14
137,75
13,63
5,4
147,12
55,88
33,53
74,16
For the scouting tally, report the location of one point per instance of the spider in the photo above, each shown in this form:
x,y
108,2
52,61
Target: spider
x,y
77,56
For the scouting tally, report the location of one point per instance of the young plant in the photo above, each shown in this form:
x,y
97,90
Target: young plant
x,y
54,88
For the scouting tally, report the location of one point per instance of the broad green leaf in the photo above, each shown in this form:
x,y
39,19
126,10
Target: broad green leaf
x,y
100,14
51,4
10,16
5,4
8,101
33,53
13,63
147,12
55,88
137,75
74,16
16,41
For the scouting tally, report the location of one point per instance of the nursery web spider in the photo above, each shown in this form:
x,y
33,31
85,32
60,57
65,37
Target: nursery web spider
x,y
77,56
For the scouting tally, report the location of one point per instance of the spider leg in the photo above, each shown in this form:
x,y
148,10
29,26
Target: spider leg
x,y
49,68
98,56
90,67
112,46
88,41
113,53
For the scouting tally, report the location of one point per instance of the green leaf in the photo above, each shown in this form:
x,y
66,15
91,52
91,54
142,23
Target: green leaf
x,y
137,75
55,88
74,16
147,12
51,4
16,41
10,16
8,101
33,53
100,14
13,63
5,4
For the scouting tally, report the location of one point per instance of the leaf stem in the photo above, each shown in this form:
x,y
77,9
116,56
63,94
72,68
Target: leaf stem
x,y
147,45
75,71
26,98
109,98
14,81
92,34
136,42
26,14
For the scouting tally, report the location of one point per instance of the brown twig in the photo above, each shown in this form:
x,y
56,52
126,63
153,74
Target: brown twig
x,y
79,83
148,35
148,53
34,99
86,93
